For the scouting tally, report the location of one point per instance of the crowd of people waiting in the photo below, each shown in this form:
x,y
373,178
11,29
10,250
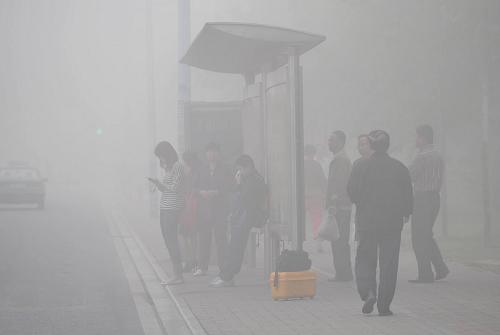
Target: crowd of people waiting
x,y
201,200
198,202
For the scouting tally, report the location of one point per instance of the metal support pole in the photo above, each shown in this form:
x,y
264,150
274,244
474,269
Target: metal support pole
x,y
271,240
184,72
485,160
268,252
297,152
265,122
153,164
444,188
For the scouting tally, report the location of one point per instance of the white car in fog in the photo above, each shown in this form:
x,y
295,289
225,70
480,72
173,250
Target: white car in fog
x,y
22,184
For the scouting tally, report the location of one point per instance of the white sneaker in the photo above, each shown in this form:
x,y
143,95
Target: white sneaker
x,y
173,281
218,282
199,273
215,280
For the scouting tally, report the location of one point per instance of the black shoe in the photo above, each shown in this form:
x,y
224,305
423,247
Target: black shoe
x,y
442,274
421,281
368,305
386,313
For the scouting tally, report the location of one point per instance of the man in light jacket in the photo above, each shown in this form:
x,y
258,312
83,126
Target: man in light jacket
x,y
339,204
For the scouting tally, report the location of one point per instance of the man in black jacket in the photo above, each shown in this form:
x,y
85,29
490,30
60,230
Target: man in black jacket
x,y
381,188
247,211
213,185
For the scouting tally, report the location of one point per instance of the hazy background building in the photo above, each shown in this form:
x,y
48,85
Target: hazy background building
x,y
78,80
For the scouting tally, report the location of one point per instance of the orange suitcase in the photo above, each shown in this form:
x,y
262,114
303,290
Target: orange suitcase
x,y
293,285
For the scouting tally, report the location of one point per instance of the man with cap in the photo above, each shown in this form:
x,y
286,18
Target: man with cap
x,y
381,188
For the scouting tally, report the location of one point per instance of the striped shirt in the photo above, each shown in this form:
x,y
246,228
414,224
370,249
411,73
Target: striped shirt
x,y
173,190
427,170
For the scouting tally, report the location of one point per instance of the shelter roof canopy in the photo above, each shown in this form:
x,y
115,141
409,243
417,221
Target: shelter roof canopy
x,y
246,48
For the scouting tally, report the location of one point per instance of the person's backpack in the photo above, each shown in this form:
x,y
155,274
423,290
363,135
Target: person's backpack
x,y
291,261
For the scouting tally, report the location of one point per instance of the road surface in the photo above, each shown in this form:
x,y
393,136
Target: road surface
x,y
60,273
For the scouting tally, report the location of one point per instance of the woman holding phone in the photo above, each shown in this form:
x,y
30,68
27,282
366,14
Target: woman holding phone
x,y
172,202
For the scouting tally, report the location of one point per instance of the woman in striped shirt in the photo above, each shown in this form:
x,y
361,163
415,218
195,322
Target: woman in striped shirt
x,y
171,204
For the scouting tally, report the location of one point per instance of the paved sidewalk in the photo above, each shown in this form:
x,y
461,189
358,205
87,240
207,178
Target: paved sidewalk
x,y
467,303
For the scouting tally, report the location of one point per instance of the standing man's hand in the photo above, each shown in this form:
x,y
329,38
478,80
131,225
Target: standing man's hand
x,y
406,219
238,177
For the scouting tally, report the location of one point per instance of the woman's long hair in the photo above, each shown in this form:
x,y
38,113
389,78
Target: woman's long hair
x,y
166,151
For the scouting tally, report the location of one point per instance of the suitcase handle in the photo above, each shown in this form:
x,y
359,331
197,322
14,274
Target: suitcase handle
x,y
276,274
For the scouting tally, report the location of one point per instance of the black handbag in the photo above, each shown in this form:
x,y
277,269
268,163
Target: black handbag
x,y
291,261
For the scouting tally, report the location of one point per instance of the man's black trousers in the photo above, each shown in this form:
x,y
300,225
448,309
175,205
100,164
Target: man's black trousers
x,y
380,246
215,226
240,230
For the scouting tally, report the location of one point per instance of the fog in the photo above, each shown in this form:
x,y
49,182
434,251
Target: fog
x,y
88,88
72,68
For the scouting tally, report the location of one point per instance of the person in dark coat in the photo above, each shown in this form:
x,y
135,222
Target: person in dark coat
x,y
338,204
427,174
213,187
381,188
247,211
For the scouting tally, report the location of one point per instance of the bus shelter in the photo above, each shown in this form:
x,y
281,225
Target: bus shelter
x,y
271,112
